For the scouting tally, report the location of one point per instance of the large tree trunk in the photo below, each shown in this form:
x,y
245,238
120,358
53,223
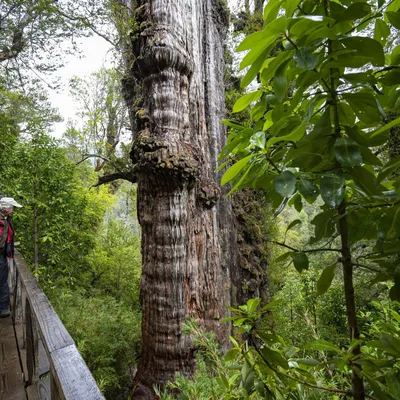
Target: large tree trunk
x,y
185,220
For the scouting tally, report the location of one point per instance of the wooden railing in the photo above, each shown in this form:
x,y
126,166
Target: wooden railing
x,y
53,368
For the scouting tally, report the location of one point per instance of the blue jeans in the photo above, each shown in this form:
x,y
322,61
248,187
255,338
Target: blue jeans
x,y
4,289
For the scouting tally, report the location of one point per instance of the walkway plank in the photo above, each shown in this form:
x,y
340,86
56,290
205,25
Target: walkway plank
x,y
11,379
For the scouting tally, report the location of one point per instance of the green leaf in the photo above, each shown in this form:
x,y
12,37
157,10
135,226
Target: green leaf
x,y
365,106
274,357
256,52
381,32
391,78
245,100
247,377
395,56
366,181
347,152
355,11
283,257
297,202
233,124
300,261
231,355
281,83
332,190
268,72
384,128
366,47
388,168
235,169
346,114
322,345
258,139
285,183
252,304
304,59
255,68
394,18
307,189
293,224
325,280
297,134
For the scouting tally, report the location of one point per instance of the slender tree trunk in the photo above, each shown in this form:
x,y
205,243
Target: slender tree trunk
x,y
186,222
35,237
356,379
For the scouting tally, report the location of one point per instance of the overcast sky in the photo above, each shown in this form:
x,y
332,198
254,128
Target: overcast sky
x,y
95,51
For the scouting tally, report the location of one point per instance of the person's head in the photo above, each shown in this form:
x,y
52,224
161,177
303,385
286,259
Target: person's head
x,y
7,205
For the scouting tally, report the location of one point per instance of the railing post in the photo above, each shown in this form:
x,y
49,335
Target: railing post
x,y
32,345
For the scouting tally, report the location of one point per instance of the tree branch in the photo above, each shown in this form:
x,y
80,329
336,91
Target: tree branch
x,y
86,156
130,176
304,251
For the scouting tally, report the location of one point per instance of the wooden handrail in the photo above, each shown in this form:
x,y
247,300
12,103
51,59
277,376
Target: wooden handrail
x,y
53,367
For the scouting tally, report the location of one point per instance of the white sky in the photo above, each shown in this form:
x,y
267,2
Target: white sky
x,y
95,51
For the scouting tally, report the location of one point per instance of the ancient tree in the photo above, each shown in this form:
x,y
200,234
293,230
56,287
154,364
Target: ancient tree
x,y
175,93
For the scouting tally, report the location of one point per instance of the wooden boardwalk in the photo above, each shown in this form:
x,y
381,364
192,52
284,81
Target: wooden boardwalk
x,y
12,385
38,358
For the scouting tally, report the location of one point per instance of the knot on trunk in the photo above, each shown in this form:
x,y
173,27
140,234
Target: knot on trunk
x,y
209,193
178,161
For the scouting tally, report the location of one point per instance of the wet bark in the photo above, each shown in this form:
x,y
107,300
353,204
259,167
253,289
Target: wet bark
x,y
186,221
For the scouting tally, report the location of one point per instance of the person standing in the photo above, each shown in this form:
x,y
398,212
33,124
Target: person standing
x,y
7,206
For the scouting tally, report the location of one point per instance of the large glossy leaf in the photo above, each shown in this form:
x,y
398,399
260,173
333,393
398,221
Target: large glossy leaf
x,y
386,127
365,106
332,190
246,100
305,59
347,152
274,357
381,32
281,83
258,139
307,189
300,261
395,56
285,183
235,169
388,168
325,280
366,47
366,181
394,18
391,78
256,51
355,11
255,67
297,134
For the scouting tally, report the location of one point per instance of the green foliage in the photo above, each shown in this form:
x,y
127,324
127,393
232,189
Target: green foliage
x,y
265,366
36,34
318,115
106,332
322,120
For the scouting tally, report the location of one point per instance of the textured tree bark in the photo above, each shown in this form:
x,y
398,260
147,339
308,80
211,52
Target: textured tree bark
x,y
186,222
